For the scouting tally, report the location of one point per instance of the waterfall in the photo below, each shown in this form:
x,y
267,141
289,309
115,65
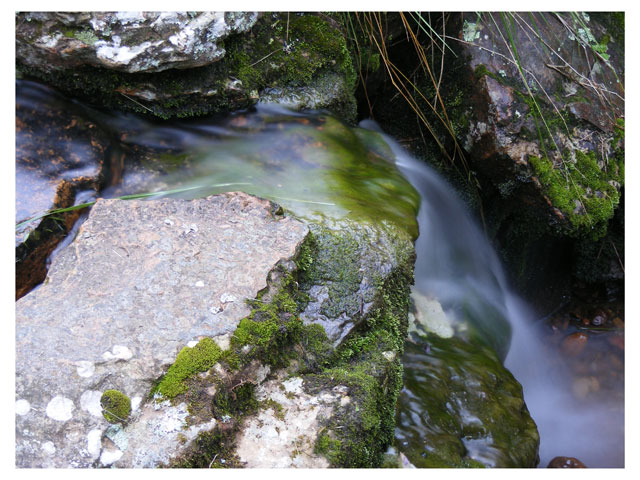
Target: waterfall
x,y
456,264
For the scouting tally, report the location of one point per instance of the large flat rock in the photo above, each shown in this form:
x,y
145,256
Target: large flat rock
x,y
141,280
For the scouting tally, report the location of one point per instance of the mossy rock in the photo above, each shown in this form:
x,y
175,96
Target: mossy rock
x,y
281,54
366,362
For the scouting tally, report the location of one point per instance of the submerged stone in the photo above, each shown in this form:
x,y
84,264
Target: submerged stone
x,y
460,407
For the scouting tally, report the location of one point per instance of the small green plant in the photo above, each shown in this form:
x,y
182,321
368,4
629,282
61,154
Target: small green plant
x,y
116,406
189,362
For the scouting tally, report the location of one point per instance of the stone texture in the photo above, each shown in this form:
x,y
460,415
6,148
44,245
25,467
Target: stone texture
x,y
126,41
286,439
121,301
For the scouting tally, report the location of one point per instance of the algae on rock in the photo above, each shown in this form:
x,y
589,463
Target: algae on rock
x,y
461,407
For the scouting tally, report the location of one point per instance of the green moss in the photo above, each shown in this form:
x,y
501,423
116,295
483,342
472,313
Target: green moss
x,y
116,406
213,449
189,362
235,400
368,364
86,36
581,190
277,408
271,327
331,448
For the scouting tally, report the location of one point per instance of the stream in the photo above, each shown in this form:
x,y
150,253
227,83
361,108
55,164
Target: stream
x,y
322,170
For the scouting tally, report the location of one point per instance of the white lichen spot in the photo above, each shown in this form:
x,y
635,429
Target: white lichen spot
x,y
135,403
215,310
199,284
192,343
118,352
94,443
85,368
22,407
227,298
60,408
293,385
49,448
110,456
90,402
168,221
263,372
190,228
223,341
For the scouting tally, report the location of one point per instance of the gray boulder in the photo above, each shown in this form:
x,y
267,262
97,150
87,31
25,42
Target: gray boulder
x,y
141,281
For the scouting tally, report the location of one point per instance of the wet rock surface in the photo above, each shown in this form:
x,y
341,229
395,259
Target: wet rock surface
x,y
189,63
61,157
566,462
460,407
141,281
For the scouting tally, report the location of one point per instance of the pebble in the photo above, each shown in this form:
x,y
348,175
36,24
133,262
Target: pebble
x,y
599,319
574,344
566,462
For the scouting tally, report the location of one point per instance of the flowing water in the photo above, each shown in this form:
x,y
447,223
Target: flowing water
x,y
456,264
320,169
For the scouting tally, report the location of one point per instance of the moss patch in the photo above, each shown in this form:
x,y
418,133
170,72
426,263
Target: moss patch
x,y
212,449
116,406
189,362
583,191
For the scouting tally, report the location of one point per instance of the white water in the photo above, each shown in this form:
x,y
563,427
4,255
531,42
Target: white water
x,y
456,264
